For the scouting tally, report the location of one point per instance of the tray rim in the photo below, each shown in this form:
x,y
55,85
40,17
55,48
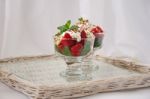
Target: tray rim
x,y
9,78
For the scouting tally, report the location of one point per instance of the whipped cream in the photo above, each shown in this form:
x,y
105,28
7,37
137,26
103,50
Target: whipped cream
x,y
74,35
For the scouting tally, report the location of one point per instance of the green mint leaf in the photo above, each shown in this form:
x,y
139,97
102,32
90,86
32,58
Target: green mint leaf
x,y
74,27
62,28
87,48
66,51
65,27
68,23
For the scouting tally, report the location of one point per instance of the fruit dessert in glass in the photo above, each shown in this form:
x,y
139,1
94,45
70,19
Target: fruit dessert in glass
x,y
76,43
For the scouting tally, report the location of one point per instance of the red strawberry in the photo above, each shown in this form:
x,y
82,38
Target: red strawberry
x,y
83,34
67,40
83,37
97,31
76,49
67,35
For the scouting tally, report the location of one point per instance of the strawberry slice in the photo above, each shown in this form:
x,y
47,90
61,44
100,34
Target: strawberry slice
x,y
96,31
99,29
67,35
83,34
83,37
76,49
67,40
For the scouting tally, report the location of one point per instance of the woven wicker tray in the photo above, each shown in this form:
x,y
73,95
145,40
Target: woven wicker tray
x,y
38,77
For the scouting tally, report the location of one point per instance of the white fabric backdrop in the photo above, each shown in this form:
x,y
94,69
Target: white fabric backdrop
x,y
27,26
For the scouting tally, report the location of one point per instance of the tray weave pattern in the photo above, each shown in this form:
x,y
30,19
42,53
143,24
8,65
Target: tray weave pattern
x,y
34,85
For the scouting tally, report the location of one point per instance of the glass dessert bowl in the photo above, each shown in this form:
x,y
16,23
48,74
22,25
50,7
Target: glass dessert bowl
x,y
76,44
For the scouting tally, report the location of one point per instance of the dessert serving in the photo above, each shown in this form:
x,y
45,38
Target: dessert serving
x,y
73,71
75,42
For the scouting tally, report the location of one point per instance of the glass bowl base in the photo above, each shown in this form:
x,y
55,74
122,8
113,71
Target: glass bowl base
x,y
80,71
